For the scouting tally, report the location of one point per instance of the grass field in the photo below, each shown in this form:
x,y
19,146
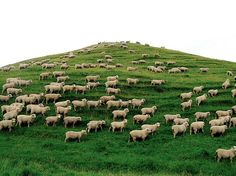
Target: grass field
x,y
40,150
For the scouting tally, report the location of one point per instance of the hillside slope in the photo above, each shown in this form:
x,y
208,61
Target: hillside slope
x,y
41,150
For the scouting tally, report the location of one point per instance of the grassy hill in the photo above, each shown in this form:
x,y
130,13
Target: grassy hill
x,y
41,150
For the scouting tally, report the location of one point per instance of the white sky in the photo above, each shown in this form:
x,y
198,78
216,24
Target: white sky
x,y
33,28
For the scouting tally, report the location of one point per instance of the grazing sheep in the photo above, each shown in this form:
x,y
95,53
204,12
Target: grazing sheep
x,y
118,125
196,126
53,88
75,135
6,86
68,88
37,97
150,111
109,67
198,89
39,110
132,81
64,66
63,110
158,63
201,115
63,103
137,102
44,75
111,83
223,153
24,82
57,84
145,56
71,120
58,73
217,122
185,96
140,118
92,78
179,128
120,113
113,103
131,68
226,84
112,91
53,97
156,70
125,104
79,66
12,80
7,124
180,121
183,69
14,91
5,98
94,104
212,92
30,106
232,122
226,119
81,89
80,104
171,117
139,134
233,109
29,100
95,125
203,70
229,73
11,114
112,78
186,104
201,98
157,82
48,66
93,85
23,66
174,70
108,57
25,119
62,78
153,127
220,113
170,63
106,98
218,130
52,120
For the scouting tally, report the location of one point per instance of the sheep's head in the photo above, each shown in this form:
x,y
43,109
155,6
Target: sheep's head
x,y
158,124
125,121
47,108
68,101
103,122
33,116
58,116
79,118
10,95
186,124
208,113
69,107
178,115
154,107
148,116
113,97
13,120
126,110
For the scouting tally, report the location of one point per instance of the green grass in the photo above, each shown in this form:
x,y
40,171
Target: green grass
x,y
40,150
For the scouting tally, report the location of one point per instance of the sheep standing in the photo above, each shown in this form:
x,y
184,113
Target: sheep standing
x,y
150,111
213,92
180,121
201,115
71,120
5,98
218,130
74,135
139,134
7,124
112,91
220,113
137,102
157,82
39,110
120,113
196,126
93,104
53,97
80,104
153,128
52,120
223,153
25,119
202,70
63,110
226,84
113,103
185,96
140,118
118,125
171,117
132,81
187,104
201,98
95,124
232,122
105,98
198,89
179,128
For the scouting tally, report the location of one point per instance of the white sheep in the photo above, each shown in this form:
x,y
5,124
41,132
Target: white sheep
x,y
220,113
198,89
213,92
112,90
120,113
92,78
106,98
187,104
30,106
63,103
139,118
94,104
44,75
81,89
68,88
39,110
174,70
125,104
185,96
226,84
112,78
71,120
150,111
201,115
132,68
171,117
223,153
7,124
52,120
179,128
132,81
62,78
80,104
5,98
95,124
157,82
63,110
139,134
233,92
14,91
6,86
232,122
113,103
218,130
137,102
93,85
74,135
196,126
11,114
180,121
25,119
58,73
53,97
217,122
152,127
203,70
118,125
201,98
111,83
37,97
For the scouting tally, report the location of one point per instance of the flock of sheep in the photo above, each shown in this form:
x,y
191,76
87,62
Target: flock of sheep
x,y
33,103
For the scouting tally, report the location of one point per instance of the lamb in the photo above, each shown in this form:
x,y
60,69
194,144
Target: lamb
x,y
174,70
132,81
63,103
171,117
44,75
62,78
25,119
223,113
14,91
39,110
37,97
229,73
180,121
75,135
203,70
157,82
95,124
132,68
112,78
11,114
136,134
58,73
196,126
185,96
218,130
217,122
212,92
94,104
118,125
113,103
93,85
7,124
71,120
137,102
92,78
6,86
120,113
153,127
53,97
198,89
63,110
232,122
201,115
52,120
5,98
106,98
30,106
81,89
111,83
223,153
125,104
80,104
112,91
179,128
226,84
68,88
233,92
140,118
150,111
201,98
186,104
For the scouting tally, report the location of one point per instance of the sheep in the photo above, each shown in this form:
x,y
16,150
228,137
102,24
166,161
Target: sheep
x,y
93,85
39,110
157,82
109,67
185,96
63,110
111,83
106,98
118,125
213,92
11,114
80,104
170,62
140,118
68,88
132,68
71,120
232,122
24,82
8,108
64,66
102,65
180,121
108,57
94,104
174,70
150,111
223,153
145,56
186,104
81,89
136,134
25,119
229,73
14,91
125,104
226,84
53,88
63,103
37,97
6,86
201,115
233,109
52,119
78,66
58,73
183,69
48,66
132,81
137,102
95,124
53,97
112,78
153,127
179,128
218,130
226,119
92,78
74,135
217,122
201,98
113,103
120,113
134,62
220,113
196,127
29,100
12,80
57,84
30,106
233,92
62,78
198,89
44,75
23,66
112,91
158,63
156,70
171,117
5,98
203,70
142,61
7,124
